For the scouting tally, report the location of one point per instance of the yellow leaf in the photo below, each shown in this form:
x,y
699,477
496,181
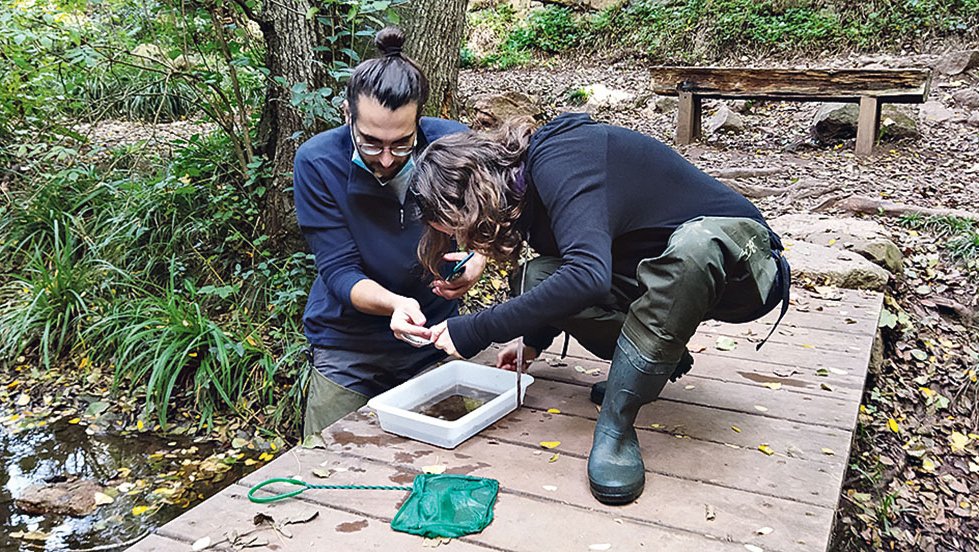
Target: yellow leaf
x,y
773,386
892,423
553,411
251,341
140,510
928,465
266,456
74,421
554,457
736,429
192,354
656,426
185,179
550,444
958,441
766,449
251,462
85,363
140,425
831,242
827,451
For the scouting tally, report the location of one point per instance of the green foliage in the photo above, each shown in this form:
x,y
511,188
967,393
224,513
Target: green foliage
x,y
577,96
550,30
697,30
960,236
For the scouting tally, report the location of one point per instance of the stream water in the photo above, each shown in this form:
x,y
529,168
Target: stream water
x,y
139,464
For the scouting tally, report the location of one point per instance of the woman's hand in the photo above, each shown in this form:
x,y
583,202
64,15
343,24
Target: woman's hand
x,y
507,358
442,339
408,323
458,287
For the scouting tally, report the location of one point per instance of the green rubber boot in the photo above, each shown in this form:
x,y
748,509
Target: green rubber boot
x,y
616,473
686,363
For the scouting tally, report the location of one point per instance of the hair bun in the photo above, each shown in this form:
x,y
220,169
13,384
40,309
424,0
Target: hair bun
x,y
390,41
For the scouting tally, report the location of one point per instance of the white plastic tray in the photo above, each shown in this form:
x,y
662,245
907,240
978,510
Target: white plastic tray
x,y
394,407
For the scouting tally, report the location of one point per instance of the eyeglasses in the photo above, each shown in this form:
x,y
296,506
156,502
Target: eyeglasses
x,y
367,148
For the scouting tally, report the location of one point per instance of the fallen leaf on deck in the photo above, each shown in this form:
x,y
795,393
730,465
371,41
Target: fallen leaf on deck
x,y
766,449
322,474
689,387
550,444
554,458
201,544
725,343
754,548
764,531
774,386
823,372
760,408
958,441
578,368
656,426
262,518
709,513
838,372
827,451
825,387
736,429
553,411
599,547
436,469
551,488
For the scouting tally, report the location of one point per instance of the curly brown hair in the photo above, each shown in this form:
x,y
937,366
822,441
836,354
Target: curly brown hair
x,y
471,183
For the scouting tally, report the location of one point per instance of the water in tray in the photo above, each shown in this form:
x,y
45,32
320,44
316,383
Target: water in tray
x,y
454,403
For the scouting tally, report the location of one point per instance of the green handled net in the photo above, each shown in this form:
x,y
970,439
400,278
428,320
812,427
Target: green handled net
x,y
440,505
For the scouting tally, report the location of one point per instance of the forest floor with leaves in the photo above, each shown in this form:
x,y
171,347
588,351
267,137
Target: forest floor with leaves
x,y
913,480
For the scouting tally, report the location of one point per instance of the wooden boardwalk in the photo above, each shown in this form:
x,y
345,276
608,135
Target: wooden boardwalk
x,y
709,486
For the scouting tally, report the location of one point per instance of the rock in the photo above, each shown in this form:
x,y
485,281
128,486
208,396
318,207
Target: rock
x,y
834,122
935,112
740,106
864,237
967,98
833,267
601,96
896,124
73,498
973,119
492,109
954,63
725,120
664,104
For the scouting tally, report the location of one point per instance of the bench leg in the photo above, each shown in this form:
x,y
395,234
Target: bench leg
x,y
688,119
868,124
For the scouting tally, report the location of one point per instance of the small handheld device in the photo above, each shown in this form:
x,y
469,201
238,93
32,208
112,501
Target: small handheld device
x,y
459,268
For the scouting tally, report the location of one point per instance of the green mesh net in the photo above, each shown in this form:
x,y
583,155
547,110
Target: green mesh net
x,y
440,505
446,505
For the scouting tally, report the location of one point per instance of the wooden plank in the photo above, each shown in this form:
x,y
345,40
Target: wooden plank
x,y
868,124
332,529
156,543
688,119
521,522
891,85
524,468
833,410
800,439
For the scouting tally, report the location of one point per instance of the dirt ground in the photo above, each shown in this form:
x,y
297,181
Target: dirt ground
x,y
913,482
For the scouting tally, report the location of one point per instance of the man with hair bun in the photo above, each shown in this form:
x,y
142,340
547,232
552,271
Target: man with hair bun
x,y
369,306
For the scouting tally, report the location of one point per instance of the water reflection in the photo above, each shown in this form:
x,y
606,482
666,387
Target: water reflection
x,y
51,452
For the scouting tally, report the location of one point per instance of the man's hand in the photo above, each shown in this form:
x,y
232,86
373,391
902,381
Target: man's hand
x,y
408,323
507,358
458,287
442,339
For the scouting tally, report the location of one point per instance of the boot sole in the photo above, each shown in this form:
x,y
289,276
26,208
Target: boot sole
x,y
614,496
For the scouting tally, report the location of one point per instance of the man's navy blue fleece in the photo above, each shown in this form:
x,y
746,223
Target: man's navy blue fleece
x,y
602,198
357,229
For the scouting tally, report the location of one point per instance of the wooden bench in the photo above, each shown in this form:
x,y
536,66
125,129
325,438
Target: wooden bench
x,y
868,87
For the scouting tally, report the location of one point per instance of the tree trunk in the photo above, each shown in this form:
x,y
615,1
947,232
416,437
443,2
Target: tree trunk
x,y
434,31
290,39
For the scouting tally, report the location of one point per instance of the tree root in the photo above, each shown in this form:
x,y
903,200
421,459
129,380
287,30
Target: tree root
x,y
869,205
